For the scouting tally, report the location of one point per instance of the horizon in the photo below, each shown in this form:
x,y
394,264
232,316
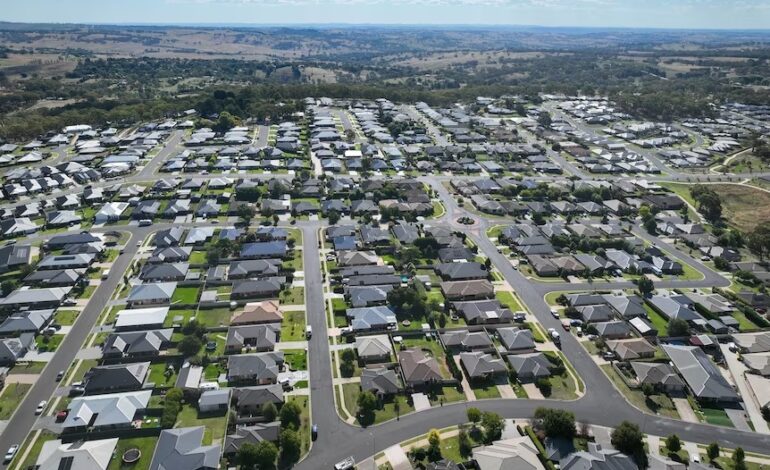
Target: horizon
x,y
626,14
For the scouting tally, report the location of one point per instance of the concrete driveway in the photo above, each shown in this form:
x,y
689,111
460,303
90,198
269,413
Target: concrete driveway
x,y
738,371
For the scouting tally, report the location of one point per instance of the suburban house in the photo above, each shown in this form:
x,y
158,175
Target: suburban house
x,y
531,366
465,340
116,378
250,400
14,349
660,375
182,448
467,290
700,374
257,337
596,458
260,368
374,348
95,454
268,311
381,381
481,365
516,340
30,321
141,318
136,344
251,434
418,369
371,318
151,294
517,453
105,412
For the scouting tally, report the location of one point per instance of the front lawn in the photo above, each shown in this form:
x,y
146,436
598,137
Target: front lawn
x,y
507,299
486,389
447,394
48,343
293,326
292,296
12,395
388,407
185,295
295,358
656,404
66,317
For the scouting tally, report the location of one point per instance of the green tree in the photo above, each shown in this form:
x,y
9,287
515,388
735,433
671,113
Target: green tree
x,y
712,451
258,456
333,217
646,286
557,423
226,121
466,446
739,459
189,346
367,405
7,286
678,327
758,240
290,415
673,444
434,445
628,438
246,213
493,426
291,445
269,411
474,415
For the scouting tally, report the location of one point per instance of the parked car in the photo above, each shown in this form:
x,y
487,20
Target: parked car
x,y
314,432
12,451
608,356
555,313
59,375
347,464
40,407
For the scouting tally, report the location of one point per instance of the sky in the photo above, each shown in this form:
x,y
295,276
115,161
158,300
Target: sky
x,y
690,14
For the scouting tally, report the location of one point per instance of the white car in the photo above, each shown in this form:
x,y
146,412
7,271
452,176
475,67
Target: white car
x,y
40,407
11,452
347,464
555,313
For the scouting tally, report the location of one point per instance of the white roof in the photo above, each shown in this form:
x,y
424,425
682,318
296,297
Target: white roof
x,y
106,410
141,316
94,455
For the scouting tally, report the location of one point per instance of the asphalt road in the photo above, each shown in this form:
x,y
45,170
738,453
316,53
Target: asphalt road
x,y
24,417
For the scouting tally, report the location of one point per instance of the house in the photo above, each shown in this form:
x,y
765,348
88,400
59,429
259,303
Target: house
x,y
116,378
251,434
627,306
182,448
14,256
30,321
658,374
151,294
55,277
257,337
105,412
13,349
141,318
365,296
675,306
516,340
380,381
171,254
250,289
253,268
612,329
262,368
596,458
630,349
16,227
531,366
418,368
25,297
518,453
461,271
93,455
752,342
110,212
700,374
595,313
374,348
214,401
136,344
467,290
169,237
269,249
479,365
253,313
164,272
465,340
371,318
248,401
542,266
658,462
78,261
356,258
478,312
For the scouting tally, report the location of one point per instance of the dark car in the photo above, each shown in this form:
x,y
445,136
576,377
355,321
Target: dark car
x,y
314,432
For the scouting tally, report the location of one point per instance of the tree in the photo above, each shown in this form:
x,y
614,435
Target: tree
x,y
673,444
739,459
648,389
213,255
194,328
628,438
189,346
291,445
466,446
434,445
493,426
7,286
246,213
290,415
721,264
474,415
333,217
758,240
367,404
544,119
557,423
646,286
269,411
226,122
261,455
678,327
712,451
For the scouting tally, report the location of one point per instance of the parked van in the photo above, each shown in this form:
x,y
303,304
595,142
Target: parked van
x,y
308,332
145,222
105,274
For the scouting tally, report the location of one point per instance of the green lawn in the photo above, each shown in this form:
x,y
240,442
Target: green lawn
x,y
10,398
485,390
386,413
48,343
507,299
445,395
214,317
33,367
185,295
681,456
293,326
744,323
292,296
656,404
657,320
295,262
66,317
87,292
172,317
212,372
716,416
494,232
197,257
146,446
295,358
215,423
76,375
726,463
34,451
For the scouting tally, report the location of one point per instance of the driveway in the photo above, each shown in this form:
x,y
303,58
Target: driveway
x,y
685,410
738,371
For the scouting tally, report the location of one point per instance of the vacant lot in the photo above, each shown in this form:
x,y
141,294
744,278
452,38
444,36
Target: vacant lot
x,y
743,207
